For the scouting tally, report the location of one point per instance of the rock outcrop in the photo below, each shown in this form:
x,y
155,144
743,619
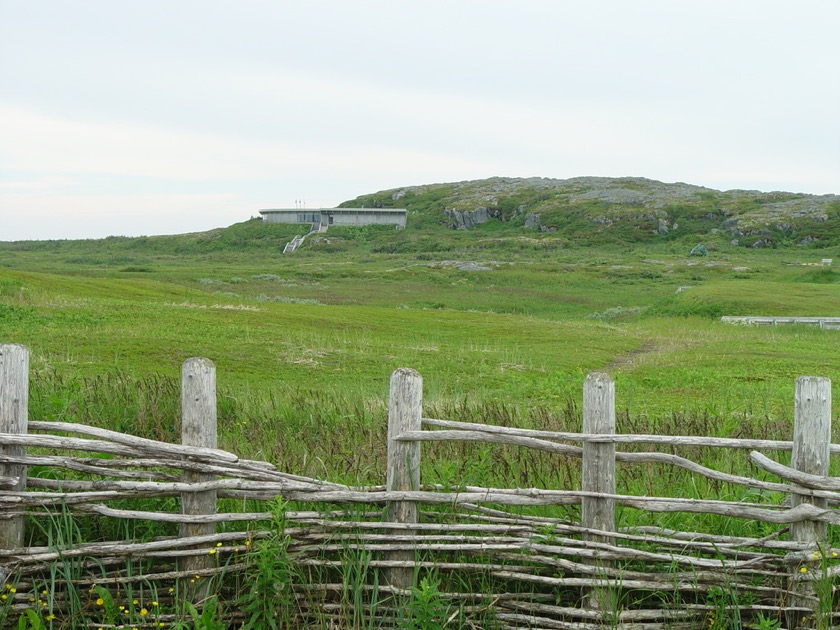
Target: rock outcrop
x,y
582,208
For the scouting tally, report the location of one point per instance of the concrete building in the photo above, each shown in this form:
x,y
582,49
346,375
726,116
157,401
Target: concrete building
x,y
325,217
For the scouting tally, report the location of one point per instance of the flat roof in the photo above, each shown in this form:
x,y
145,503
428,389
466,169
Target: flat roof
x,y
335,210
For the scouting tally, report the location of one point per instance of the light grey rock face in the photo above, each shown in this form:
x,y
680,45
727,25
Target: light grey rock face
x,y
461,265
470,266
532,220
613,195
606,202
637,191
464,220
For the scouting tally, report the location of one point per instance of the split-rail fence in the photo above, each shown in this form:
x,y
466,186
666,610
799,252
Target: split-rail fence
x,y
476,557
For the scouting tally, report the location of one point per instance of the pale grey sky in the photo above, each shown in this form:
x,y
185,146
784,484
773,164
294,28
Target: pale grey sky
x,y
167,116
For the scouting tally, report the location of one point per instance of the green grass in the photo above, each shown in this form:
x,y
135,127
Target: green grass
x,y
528,329
304,346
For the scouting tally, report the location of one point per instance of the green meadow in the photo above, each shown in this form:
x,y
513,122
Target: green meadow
x,y
494,318
504,327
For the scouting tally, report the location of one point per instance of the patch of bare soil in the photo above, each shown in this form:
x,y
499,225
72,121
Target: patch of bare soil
x,y
628,360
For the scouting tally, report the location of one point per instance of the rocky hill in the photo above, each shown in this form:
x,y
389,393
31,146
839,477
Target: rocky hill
x,y
601,209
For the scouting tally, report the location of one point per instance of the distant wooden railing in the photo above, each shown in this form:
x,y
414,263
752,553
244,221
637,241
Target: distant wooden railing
x,y
826,323
594,556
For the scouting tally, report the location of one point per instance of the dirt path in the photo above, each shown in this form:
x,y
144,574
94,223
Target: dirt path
x,y
628,360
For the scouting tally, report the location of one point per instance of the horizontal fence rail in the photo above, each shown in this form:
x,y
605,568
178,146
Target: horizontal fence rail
x,y
544,570
826,323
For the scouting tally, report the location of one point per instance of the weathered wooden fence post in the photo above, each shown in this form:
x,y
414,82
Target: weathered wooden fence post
x,y
811,453
599,473
405,412
198,428
14,418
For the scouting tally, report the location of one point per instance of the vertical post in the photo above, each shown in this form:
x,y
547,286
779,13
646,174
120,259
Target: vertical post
x,y
811,453
405,411
599,472
14,418
198,428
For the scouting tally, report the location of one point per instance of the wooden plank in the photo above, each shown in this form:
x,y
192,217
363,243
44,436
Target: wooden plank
x,y
811,438
621,438
198,428
828,323
598,459
14,416
598,476
195,452
405,411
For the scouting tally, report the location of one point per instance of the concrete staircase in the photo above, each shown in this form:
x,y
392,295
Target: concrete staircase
x,y
297,241
293,244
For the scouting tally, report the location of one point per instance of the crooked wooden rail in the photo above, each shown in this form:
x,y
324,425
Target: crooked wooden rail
x,y
471,531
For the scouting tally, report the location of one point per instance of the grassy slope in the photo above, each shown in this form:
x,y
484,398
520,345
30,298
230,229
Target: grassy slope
x,y
353,304
604,211
528,329
305,344
142,326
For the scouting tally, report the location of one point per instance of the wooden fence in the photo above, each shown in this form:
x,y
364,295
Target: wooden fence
x,y
825,323
491,557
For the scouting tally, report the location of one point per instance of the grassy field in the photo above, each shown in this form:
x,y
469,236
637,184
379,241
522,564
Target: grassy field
x,y
526,327
304,347
523,326
503,327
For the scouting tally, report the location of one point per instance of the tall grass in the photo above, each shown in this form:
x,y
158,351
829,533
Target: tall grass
x,y
334,436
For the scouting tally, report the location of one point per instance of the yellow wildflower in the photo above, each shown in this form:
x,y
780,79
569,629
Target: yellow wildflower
x,y
803,570
143,612
100,601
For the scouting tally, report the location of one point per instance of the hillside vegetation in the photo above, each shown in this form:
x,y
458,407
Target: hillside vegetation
x,y
515,305
503,294
598,210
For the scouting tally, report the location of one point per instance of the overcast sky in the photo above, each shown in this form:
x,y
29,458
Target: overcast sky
x,y
123,117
